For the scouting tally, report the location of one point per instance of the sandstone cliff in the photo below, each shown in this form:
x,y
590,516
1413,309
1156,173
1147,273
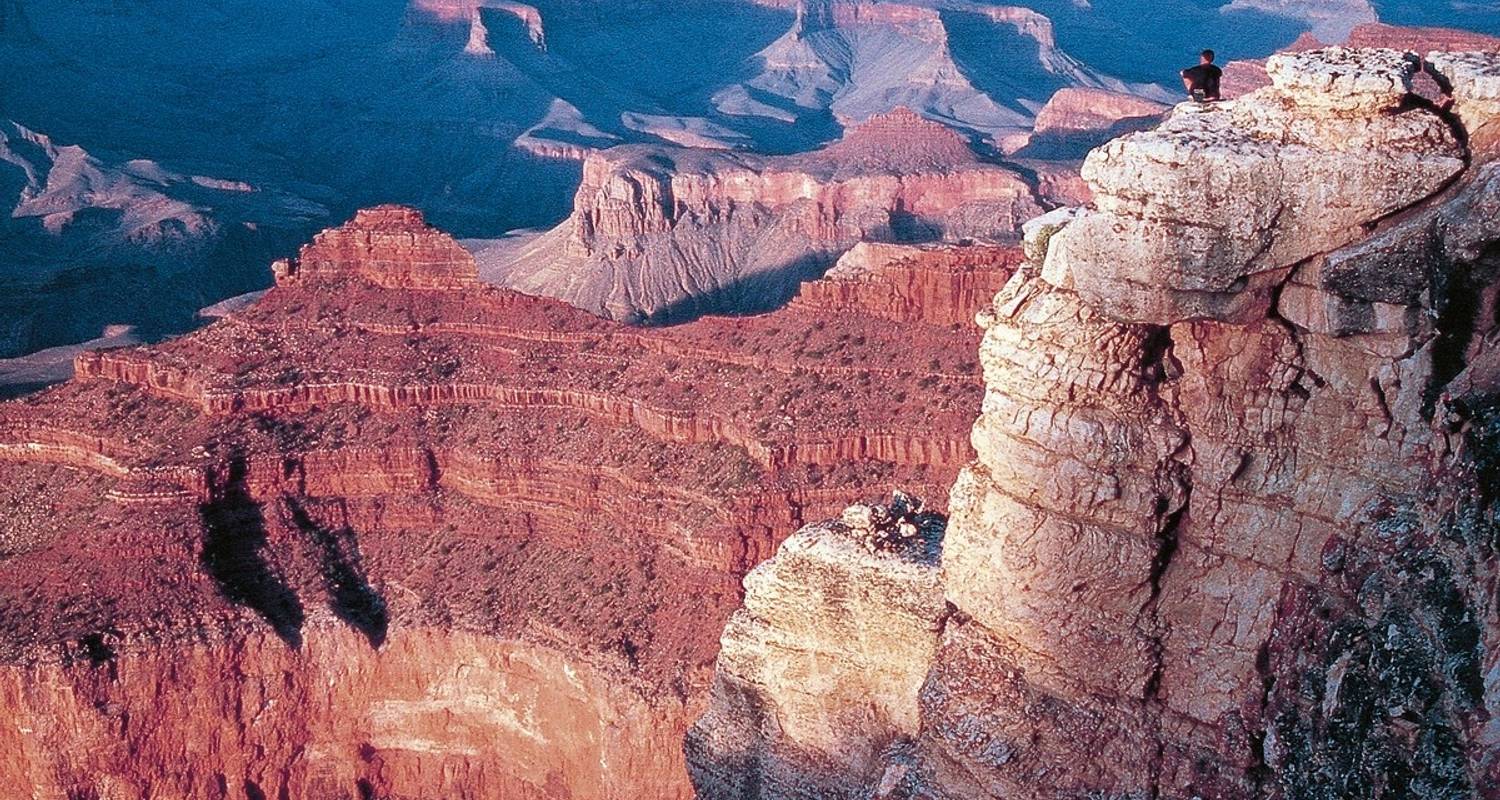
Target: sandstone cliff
x,y
390,533
664,235
1075,120
1230,530
836,636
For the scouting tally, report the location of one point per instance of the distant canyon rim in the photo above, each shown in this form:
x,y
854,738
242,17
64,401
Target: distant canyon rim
x,y
854,431
129,206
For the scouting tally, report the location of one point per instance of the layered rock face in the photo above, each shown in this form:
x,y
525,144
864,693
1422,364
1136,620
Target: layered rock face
x,y
666,235
983,67
389,533
1259,185
911,283
389,246
1220,540
819,671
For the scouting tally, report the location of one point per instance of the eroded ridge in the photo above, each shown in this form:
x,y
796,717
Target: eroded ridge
x,y
664,234
1230,528
390,531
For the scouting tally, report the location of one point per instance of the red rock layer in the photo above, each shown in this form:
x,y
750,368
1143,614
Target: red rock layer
x,y
933,285
389,246
900,141
389,532
1084,109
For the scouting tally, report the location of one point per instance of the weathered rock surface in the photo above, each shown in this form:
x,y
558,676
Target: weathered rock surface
x,y
1244,555
1473,78
819,671
390,246
434,712
387,532
1243,77
935,284
1204,216
662,235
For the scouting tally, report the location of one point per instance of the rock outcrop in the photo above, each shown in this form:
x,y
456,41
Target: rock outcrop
x,y
911,283
664,235
1077,119
389,246
1243,77
1231,549
1257,185
819,671
386,532
1473,79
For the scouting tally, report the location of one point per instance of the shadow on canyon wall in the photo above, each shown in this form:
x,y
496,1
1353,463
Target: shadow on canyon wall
x,y
354,600
234,555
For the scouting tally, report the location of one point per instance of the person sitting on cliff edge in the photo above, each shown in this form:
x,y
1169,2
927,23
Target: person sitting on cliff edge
x,y
1202,81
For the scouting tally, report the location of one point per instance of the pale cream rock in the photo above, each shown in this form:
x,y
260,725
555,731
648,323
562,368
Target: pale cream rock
x,y
820,670
1342,79
1037,232
1203,216
1474,81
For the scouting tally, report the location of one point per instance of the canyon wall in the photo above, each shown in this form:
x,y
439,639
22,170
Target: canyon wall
x,y
432,713
669,234
388,532
1230,530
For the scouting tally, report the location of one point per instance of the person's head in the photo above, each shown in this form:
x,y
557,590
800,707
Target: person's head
x,y
1207,56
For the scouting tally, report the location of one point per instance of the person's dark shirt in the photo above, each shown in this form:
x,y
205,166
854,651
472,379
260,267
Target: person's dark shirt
x,y
1204,78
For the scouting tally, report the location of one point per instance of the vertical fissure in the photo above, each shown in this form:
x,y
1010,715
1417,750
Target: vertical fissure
x,y
1167,543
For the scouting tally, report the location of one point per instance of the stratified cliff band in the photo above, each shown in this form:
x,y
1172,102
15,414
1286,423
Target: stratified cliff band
x,y
1231,529
391,533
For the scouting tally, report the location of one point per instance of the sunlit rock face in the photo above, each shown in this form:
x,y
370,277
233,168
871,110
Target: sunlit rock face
x,y
1241,548
819,672
432,713
390,246
665,235
388,532
1205,215
1473,78
1077,119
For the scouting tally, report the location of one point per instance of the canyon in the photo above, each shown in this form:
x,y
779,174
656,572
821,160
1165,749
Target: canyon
x,y
389,532
663,235
749,399
1230,529
193,161
79,227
